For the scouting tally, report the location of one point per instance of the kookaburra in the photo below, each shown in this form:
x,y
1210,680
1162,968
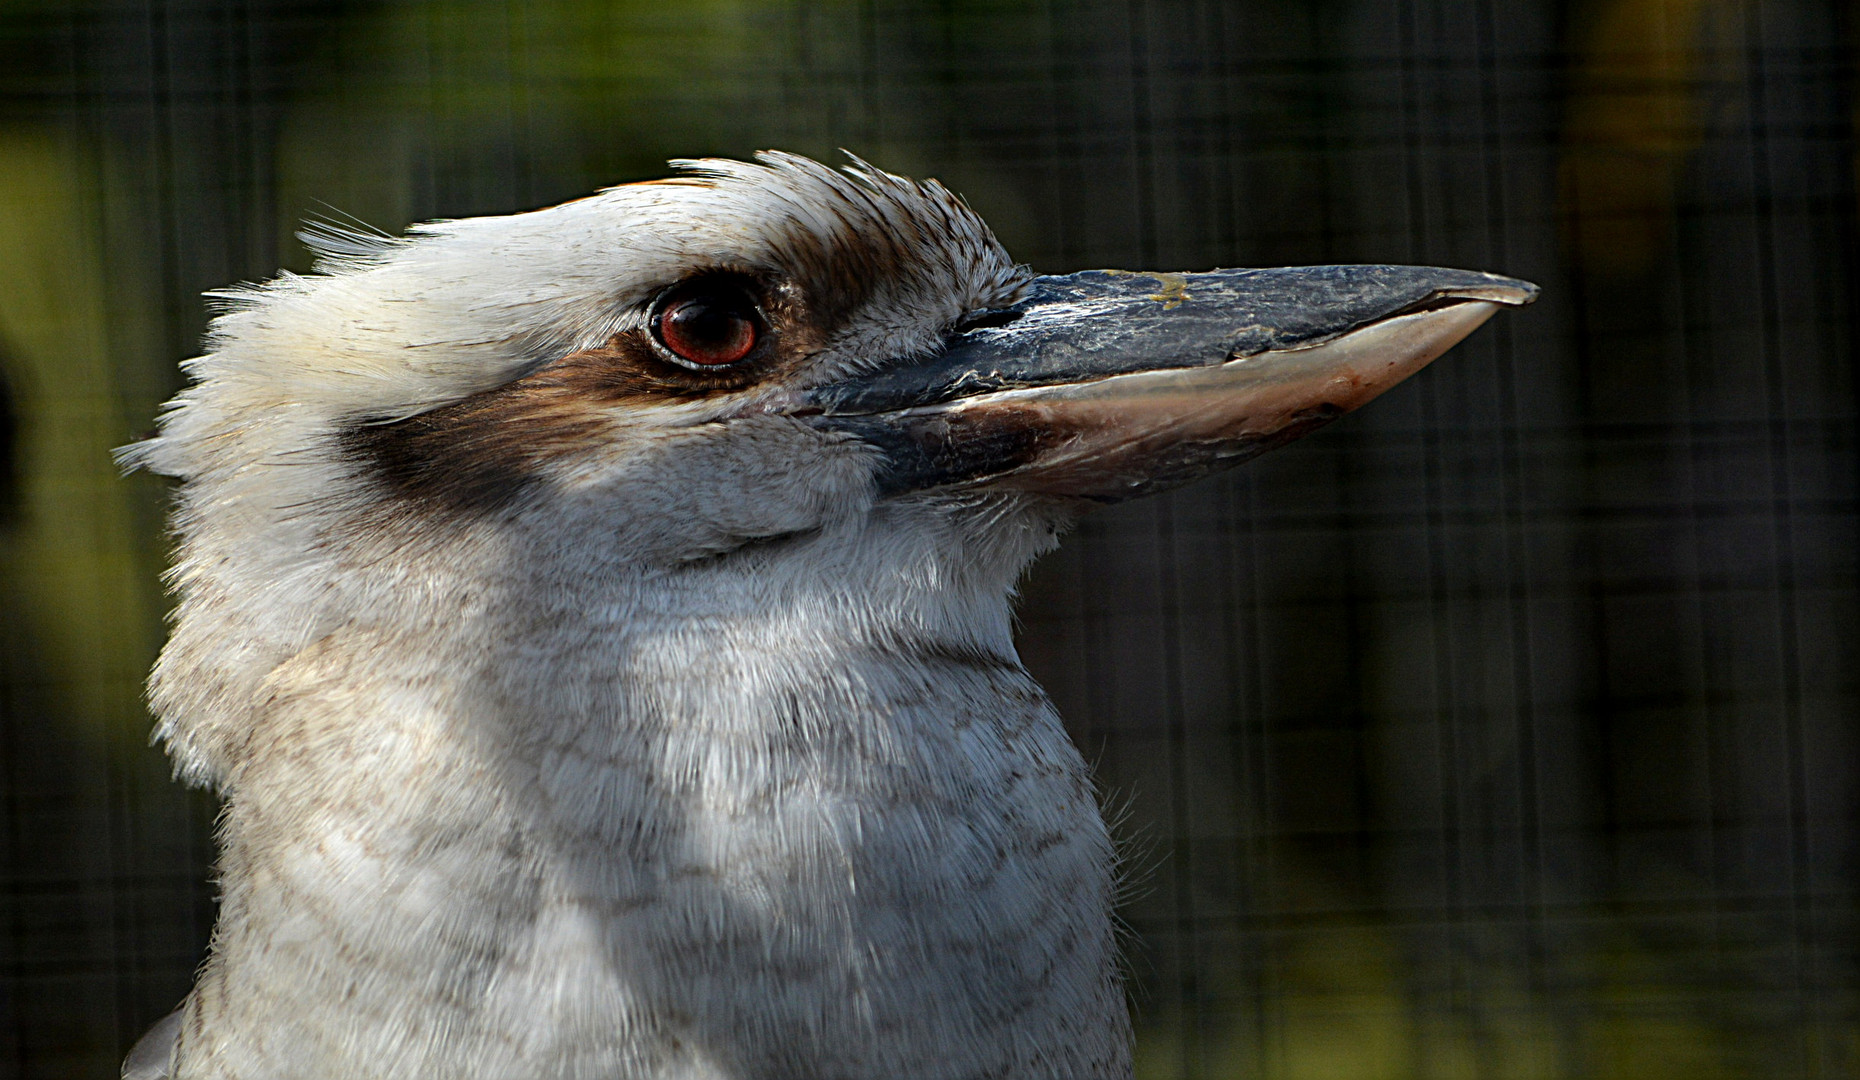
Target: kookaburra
x,y
597,623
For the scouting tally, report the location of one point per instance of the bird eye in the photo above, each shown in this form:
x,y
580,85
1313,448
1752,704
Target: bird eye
x,y
707,326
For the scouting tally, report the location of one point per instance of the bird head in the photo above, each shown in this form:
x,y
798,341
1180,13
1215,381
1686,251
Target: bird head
x,y
717,386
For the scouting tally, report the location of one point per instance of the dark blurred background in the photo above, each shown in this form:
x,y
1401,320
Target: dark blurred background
x,y
1506,729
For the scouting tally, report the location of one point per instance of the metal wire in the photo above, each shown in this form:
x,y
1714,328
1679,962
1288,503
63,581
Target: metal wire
x,y
1506,728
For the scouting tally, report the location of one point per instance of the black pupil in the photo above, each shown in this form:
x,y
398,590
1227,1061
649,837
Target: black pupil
x,y
712,324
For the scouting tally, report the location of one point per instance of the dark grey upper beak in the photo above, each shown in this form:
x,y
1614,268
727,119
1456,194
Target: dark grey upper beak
x,y
1107,384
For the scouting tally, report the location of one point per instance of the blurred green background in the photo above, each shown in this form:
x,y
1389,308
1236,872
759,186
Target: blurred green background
x,y
1507,729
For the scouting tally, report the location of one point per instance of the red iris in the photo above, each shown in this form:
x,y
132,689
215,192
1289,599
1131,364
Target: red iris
x,y
708,328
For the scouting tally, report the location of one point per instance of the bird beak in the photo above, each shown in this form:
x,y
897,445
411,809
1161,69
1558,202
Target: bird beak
x,y
1105,385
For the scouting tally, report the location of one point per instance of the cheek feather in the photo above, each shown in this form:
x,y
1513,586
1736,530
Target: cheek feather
x,y
481,455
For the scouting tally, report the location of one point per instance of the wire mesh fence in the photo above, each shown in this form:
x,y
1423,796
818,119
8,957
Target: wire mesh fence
x,y
1505,729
